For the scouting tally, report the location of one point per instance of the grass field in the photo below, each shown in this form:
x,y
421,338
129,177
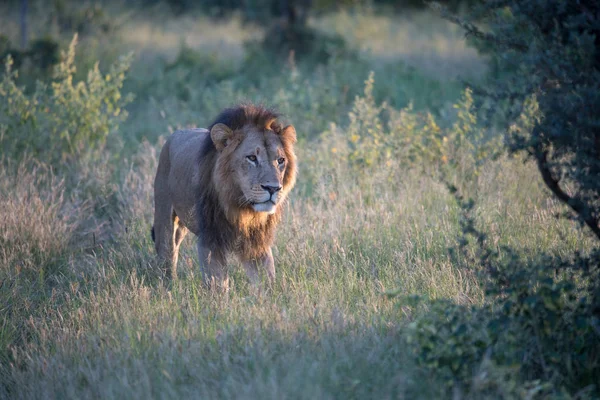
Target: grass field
x,y
84,312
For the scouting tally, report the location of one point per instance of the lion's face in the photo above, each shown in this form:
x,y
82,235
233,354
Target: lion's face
x,y
260,165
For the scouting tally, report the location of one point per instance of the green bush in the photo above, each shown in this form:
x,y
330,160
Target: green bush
x,y
81,18
537,325
302,42
62,120
449,340
540,323
378,134
550,52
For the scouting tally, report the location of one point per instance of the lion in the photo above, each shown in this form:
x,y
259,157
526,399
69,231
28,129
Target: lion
x,y
227,184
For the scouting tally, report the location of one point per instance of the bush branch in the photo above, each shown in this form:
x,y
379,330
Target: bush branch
x,y
576,205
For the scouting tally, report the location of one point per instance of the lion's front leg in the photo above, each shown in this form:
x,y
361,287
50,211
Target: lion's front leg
x,y
264,262
213,266
164,232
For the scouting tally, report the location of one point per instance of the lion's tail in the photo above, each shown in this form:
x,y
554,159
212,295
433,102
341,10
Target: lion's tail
x,y
152,233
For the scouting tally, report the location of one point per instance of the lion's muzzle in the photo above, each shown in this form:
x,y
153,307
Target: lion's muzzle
x,y
267,200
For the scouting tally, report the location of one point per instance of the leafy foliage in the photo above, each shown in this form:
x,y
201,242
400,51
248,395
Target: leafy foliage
x,y
551,52
378,134
62,120
537,326
540,324
42,54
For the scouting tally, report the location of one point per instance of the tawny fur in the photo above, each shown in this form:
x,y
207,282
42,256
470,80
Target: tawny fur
x,y
204,182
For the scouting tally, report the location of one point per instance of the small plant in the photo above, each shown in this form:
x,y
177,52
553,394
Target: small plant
x,y
43,54
62,120
365,132
415,139
449,340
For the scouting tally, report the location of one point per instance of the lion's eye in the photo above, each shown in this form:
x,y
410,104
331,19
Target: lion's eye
x,y
252,158
281,160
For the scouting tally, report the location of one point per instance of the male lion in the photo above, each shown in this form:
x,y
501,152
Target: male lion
x,y
227,185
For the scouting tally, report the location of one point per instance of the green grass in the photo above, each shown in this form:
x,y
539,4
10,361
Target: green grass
x,y
84,312
100,323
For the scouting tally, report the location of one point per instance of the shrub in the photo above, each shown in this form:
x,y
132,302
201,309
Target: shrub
x,y
542,316
537,326
378,134
83,19
448,339
62,120
304,43
365,133
550,52
42,54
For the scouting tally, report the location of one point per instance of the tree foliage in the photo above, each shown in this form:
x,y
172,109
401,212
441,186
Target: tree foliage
x,y
538,332
549,58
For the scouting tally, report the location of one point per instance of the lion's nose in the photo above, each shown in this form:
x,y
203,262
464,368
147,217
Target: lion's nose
x,y
271,189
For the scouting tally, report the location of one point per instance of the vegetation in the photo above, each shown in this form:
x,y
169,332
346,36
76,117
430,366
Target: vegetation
x,y
417,258
63,120
543,315
550,51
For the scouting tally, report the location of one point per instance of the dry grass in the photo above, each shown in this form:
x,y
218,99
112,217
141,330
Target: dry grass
x,y
103,323
84,313
432,46
36,220
223,39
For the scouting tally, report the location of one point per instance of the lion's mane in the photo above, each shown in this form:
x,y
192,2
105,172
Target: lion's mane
x,y
221,223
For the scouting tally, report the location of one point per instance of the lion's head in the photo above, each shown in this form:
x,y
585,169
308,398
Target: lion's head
x,y
255,165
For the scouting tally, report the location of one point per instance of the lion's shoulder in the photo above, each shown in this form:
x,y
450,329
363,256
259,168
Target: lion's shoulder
x,y
187,142
187,136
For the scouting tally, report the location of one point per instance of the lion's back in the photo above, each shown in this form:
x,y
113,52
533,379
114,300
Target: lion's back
x,y
184,149
184,144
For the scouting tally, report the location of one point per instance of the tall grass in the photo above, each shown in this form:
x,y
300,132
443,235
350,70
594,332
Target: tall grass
x,y
84,311
101,322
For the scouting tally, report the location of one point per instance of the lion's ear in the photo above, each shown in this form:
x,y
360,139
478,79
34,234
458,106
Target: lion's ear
x,y
220,135
289,134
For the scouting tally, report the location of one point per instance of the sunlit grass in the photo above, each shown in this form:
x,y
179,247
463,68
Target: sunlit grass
x,y
84,311
103,324
223,38
421,39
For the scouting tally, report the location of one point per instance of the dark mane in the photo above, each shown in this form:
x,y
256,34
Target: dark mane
x,y
248,114
215,230
239,116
